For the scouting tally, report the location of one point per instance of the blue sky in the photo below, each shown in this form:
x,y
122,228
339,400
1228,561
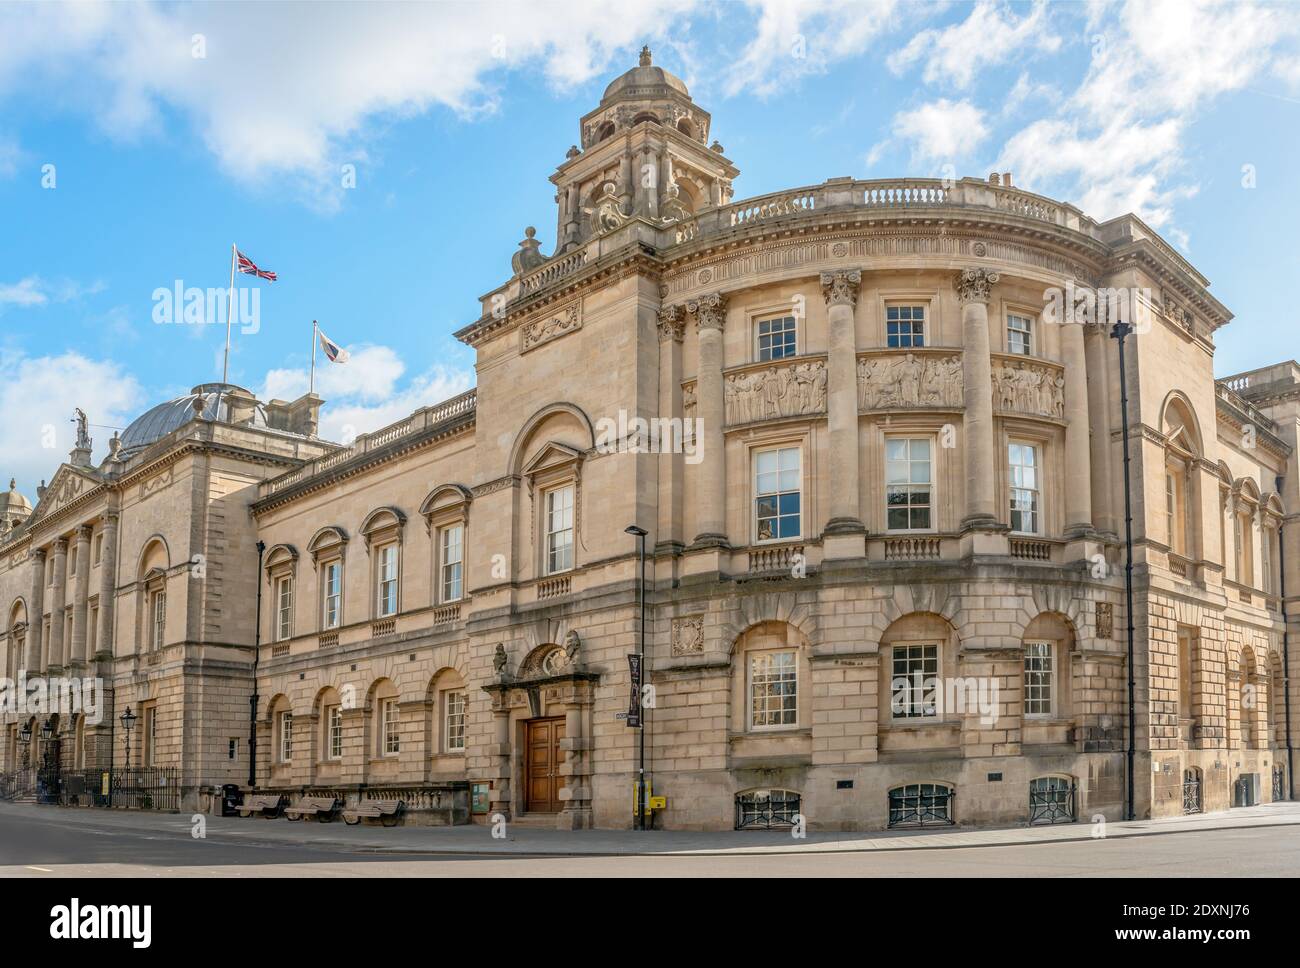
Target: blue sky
x,y
174,130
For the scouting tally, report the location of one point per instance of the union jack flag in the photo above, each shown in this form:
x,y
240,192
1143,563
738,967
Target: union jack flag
x,y
246,265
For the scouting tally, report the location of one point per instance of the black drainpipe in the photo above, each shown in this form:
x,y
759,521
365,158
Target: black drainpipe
x,y
1119,332
257,654
1286,649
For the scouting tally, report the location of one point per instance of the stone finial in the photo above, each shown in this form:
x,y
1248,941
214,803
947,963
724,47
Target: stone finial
x,y
716,147
645,56
710,311
114,447
40,491
529,255
975,285
841,288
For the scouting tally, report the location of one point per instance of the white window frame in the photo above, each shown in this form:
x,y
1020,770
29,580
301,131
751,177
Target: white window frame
x,y
759,336
390,720
284,608
157,618
781,666
455,720
1040,678
1020,341
1014,488
328,598
387,575
558,558
913,339
286,736
932,505
451,571
911,655
780,491
333,732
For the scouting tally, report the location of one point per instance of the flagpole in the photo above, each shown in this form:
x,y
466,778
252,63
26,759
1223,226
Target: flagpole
x,y
230,304
311,384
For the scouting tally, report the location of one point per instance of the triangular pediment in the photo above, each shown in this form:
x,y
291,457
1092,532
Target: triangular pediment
x,y
553,455
69,483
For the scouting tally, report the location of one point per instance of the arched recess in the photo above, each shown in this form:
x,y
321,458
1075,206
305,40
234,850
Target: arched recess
x,y
1252,699
326,757
16,637
917,652
446,727
152,606
383,720
771,680
154,555
280,732
1183,527
1276,701
764,607
561,421
1049,643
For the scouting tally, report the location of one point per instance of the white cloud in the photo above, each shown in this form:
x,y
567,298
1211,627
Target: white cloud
x,y
796,38
367,392
37,396
942,130
35,291
1117,144
991,35
291,91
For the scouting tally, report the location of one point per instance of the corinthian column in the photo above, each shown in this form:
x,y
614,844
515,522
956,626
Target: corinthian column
x,y
36,613
80,597
1078,479
973,289
710,314
58,594
841,292
672,324
107,587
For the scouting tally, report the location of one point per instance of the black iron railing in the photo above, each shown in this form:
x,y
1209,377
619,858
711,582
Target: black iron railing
x,y
767,809
921,805
1279,783
1052,804
18,784
137,788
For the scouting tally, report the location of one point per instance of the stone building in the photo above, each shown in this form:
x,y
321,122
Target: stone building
x,y
873,432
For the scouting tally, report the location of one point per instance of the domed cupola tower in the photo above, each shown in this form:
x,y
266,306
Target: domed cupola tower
x,y
645,152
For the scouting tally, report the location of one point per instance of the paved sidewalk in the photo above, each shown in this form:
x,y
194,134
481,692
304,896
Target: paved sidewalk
x,y
519,840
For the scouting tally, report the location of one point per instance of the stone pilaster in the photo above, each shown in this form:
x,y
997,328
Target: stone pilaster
x,y
107,588
840,290
58,598
710,314
36,613
974,287
672,324
1078,481
80,598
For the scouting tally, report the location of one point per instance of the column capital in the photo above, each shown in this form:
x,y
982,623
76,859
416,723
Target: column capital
x,y
85,531
840,288
975,285
672,323
39,554
61,546
710,311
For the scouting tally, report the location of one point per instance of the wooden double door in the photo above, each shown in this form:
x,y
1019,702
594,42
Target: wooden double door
x,y
543,756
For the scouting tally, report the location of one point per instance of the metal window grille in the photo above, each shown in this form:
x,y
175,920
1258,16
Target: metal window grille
x,y
920,805
1051,800
765,809
1191,791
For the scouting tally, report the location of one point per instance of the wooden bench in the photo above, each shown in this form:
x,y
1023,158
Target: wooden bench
x,y
382,810
322,808
262,805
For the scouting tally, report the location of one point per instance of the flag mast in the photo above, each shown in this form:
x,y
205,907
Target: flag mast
x,y
230,303
311,384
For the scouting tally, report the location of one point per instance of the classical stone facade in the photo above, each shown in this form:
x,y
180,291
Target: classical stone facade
x,y
873,431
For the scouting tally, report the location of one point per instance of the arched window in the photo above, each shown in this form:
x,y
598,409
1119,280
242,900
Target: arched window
x,y
386,723
449,728
281,731
1182,452
764,809
921,805
770,668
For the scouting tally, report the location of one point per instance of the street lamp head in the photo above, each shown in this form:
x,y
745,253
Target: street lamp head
x,y
633,529
1121,329
47,729
25,734
128,719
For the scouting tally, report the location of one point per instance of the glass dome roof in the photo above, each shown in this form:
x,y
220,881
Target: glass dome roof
x,y
157,423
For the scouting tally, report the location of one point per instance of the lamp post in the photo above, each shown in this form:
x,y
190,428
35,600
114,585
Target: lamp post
x,y
25,737
47,786
128,719
1119,332
639,534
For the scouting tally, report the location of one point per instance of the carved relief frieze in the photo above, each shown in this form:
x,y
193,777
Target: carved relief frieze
x,y
789,390
151,485
551,326
896,380
1030,388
